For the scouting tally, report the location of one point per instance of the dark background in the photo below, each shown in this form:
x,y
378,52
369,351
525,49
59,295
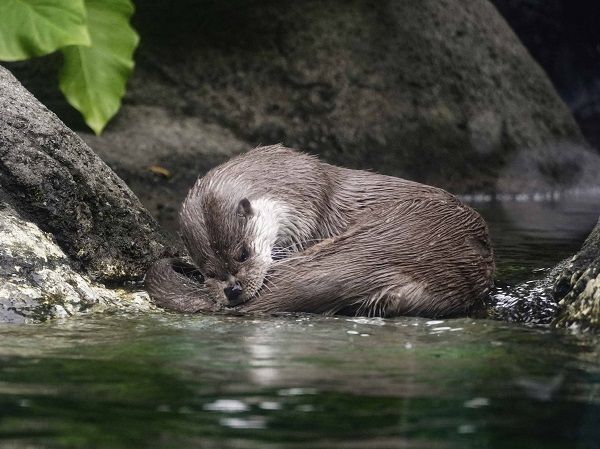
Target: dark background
x,y
564,37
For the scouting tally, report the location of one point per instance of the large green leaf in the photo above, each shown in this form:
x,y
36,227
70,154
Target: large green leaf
x,y
37,27
93,78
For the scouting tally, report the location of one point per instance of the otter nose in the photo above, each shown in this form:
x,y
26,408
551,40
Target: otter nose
x,y
233,292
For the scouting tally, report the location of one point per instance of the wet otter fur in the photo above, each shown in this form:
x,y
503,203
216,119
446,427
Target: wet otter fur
x,y
276,230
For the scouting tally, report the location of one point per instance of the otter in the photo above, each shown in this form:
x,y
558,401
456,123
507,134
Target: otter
x,y
278,230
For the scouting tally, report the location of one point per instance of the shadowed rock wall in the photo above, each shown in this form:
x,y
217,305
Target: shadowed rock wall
x,y
440,91
564,36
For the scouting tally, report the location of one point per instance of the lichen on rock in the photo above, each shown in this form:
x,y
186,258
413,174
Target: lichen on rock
x,y
38,281
52,178
578,287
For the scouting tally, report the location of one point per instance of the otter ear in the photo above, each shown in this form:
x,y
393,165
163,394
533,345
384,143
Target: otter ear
x,y
244,208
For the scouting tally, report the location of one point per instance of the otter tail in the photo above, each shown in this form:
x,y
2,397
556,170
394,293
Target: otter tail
x,y
177,285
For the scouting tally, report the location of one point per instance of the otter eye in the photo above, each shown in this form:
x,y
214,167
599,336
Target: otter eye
x,y
244,255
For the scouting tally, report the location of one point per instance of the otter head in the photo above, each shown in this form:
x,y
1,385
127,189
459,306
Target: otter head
x,y
229,242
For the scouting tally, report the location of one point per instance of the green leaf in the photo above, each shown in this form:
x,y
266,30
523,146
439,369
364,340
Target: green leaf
x,y
93,78
37,27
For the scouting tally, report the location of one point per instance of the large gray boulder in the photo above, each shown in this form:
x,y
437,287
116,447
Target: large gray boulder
x,y
54,180
440,91
578,286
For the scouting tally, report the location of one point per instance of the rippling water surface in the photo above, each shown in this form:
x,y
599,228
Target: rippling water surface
x,y
174,381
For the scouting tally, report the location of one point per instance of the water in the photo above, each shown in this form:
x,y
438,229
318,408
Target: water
x,y
174,381
531,237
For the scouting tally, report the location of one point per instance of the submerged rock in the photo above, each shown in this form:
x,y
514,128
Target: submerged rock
x,y
441,92
38,282
53,179
528,302
578,286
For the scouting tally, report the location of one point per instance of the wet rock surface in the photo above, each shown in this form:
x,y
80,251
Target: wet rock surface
x,y
441,92
53,179
38,281
578,286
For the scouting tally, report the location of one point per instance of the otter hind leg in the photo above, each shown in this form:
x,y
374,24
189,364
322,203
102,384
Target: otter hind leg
x,y
410,298
406,298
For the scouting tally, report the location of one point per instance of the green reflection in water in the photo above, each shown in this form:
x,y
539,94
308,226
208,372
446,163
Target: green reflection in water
x,y
298,381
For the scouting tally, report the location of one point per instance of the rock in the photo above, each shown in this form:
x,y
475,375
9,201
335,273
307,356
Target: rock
x,y
555,166
38,281
528,302
53,179
578,286
440,91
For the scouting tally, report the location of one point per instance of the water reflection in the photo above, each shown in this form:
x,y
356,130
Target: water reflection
x,y
297,381
531,237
